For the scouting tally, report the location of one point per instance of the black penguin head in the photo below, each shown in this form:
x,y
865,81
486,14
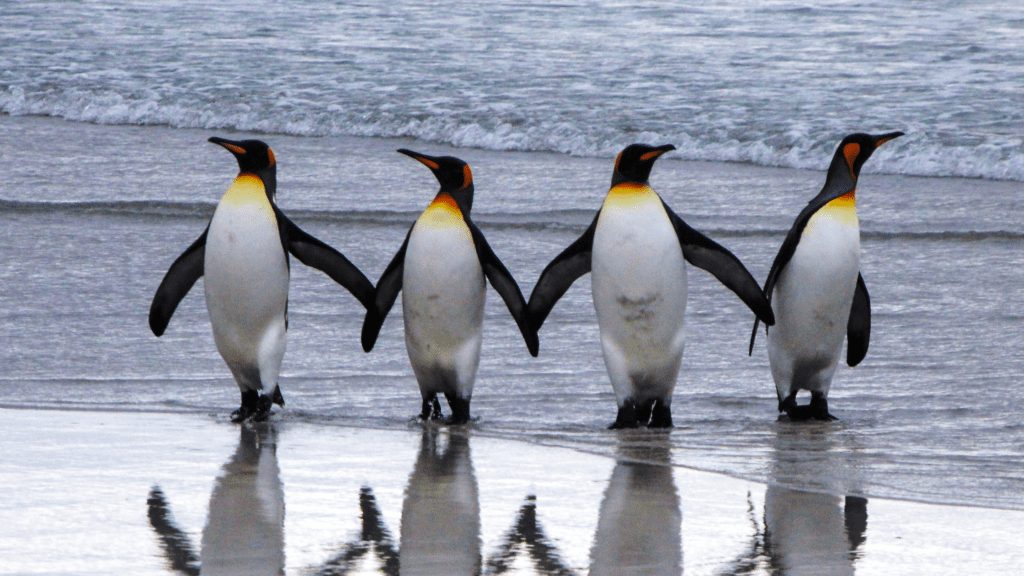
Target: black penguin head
x,y
254,157
454,175
634,163
854,151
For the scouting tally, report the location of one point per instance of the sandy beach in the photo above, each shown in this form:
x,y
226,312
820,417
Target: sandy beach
x,y
93,492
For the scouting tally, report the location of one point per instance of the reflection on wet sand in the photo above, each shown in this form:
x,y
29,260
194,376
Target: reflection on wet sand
x,y
244,533
441,513
638,529
805,532
527,536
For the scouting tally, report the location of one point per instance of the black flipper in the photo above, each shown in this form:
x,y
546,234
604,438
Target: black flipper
x,y
505,285
858,329
316,254
708,255
388,287
559,275
179,279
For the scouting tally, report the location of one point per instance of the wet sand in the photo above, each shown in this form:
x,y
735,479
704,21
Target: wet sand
x,y
93,492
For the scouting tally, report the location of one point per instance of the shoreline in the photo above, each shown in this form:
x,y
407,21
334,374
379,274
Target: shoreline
x,y
96,470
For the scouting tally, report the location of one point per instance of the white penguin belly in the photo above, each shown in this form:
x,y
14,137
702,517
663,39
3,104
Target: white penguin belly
x,y
639,285
443,295
246,283
811,301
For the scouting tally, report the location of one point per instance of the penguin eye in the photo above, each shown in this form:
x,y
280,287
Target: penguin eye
x,y
851,151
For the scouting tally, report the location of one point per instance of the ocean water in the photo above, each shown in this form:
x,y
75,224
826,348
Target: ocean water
x,y
106,178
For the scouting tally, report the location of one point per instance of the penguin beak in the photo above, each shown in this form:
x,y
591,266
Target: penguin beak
x,y
230,145
657,152
883,138
428,161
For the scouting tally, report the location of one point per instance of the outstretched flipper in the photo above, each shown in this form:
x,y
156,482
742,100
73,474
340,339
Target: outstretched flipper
x,y
506,286
858,329
559,275
705,253
388,287
316,254
179,279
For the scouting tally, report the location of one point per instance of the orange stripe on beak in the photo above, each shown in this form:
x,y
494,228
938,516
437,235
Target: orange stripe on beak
x,y
233,148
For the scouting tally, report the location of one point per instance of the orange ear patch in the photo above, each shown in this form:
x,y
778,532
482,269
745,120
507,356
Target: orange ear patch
x,y
851,151
617,158
270,154
233,148
467,176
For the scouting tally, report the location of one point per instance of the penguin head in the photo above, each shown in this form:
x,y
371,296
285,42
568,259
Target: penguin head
x,y
854,151
454,175
254,157
634,163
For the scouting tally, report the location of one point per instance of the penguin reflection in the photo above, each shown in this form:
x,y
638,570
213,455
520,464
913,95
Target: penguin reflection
x,y
440,531
244,532
639,526
808,533
805,532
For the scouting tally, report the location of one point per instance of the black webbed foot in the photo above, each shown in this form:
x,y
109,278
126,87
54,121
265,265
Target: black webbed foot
x,y
431,409
263,408
643,412
250,402
817,409
661,415
460,409
627,417
277,397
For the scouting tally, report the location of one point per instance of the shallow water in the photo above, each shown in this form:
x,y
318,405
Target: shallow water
x,y
105,108
932,414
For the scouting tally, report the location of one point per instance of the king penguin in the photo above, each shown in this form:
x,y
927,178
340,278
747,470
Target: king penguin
x,y
816,289
440,271
244,256
636,247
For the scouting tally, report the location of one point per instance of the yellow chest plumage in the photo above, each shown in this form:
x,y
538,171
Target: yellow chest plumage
x,y
248,191
443,212
842,210
629,195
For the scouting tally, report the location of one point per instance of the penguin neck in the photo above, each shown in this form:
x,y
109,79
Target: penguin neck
x,y
848,200
463,198
269,178
618,179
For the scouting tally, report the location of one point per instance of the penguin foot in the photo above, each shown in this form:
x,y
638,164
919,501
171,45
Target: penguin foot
x,y
627,417
817,409
643,411
250,402
431,408
263,409
661,415
277,397
460,409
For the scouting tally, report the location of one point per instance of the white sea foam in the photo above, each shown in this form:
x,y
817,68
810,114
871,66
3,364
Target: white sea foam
x,y
729,81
